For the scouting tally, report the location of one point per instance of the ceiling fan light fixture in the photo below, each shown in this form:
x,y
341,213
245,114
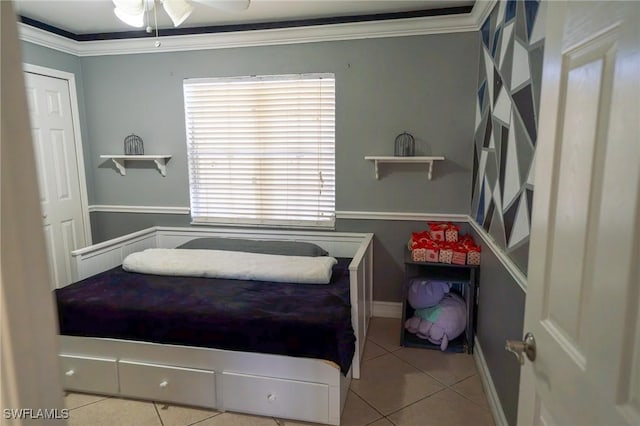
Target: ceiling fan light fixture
x,y
178,10
227,5
133,20
131,12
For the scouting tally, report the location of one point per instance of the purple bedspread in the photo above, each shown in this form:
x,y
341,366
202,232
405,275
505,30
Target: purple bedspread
x,y
304,320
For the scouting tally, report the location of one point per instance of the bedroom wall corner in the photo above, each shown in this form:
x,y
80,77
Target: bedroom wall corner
x,y
506,120
50,58
504,142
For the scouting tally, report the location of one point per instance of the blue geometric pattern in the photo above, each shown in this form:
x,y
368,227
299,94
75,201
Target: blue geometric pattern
x,y
507,144
510,11
531,10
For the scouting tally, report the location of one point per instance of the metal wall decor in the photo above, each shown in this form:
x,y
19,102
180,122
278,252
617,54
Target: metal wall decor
x,y
405,145
133,145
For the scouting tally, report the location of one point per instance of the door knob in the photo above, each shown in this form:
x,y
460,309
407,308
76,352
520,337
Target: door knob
x,y
523,347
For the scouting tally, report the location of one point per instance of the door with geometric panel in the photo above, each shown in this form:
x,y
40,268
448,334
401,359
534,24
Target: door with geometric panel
x,y
583,293
58,176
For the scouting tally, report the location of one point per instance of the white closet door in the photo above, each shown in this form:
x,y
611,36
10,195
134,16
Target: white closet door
x,y
58,177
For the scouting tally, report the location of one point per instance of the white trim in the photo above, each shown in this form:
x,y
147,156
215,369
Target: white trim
x,y
481,10
75,118
138,209
489,388
386,309
508,264
310,34
46,39
445,217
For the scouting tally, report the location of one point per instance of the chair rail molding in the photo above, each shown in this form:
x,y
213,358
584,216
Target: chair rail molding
x,y
110,208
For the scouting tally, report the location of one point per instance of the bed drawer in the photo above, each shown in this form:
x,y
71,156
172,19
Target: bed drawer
x,y
88,374
275,397
168,384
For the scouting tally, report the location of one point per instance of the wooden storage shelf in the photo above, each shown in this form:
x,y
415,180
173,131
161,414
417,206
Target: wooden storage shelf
x,y
464,282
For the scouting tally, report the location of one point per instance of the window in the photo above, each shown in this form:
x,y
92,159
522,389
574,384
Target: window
x,y
261,150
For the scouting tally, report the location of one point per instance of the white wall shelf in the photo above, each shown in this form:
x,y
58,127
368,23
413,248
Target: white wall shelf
x,y
412,160
120,161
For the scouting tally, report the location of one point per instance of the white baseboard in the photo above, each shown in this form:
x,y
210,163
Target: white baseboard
x,y
387,309
489,388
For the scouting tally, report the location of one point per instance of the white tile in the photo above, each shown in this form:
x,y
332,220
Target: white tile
x,y
445,408
115,411
357,412
388,384
385,332
446,367
381,422
233,419
74,400
372,350
472,389
176,415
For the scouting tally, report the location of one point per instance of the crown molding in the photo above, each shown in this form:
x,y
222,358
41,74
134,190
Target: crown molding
x,y
307,34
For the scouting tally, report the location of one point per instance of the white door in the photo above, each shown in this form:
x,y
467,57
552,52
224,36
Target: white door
x,y
583,295
58,176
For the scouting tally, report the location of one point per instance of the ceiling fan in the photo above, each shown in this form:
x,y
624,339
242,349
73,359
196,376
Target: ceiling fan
x,y
133,12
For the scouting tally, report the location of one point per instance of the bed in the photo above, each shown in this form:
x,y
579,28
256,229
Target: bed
x,y
310,385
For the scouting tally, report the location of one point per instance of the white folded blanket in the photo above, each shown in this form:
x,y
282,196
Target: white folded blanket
x,y
232,264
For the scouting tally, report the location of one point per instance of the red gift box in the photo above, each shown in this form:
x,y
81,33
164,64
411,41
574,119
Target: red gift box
x,y
432,255
437,231
446,254
473,256
433,249
419,255
459,256
451,233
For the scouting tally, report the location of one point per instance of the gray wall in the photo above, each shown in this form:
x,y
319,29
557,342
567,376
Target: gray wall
x,y
504,148
383,87
425,85
420,84
500,317
45,57
508,101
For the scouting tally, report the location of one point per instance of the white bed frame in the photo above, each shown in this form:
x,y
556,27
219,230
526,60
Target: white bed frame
x,y
270,385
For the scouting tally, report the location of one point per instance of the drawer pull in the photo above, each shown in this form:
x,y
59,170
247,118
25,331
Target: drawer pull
x,y
271,397
164,384
69,373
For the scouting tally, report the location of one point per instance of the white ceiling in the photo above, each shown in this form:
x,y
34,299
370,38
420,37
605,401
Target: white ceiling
x,y
96,16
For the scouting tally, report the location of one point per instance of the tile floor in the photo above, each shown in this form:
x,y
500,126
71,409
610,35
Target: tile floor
x,y
399,386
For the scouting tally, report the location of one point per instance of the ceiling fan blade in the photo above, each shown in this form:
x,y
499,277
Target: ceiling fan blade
x,y
178,10
228,5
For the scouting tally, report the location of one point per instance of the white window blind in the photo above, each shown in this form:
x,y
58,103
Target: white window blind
x,y
261,150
